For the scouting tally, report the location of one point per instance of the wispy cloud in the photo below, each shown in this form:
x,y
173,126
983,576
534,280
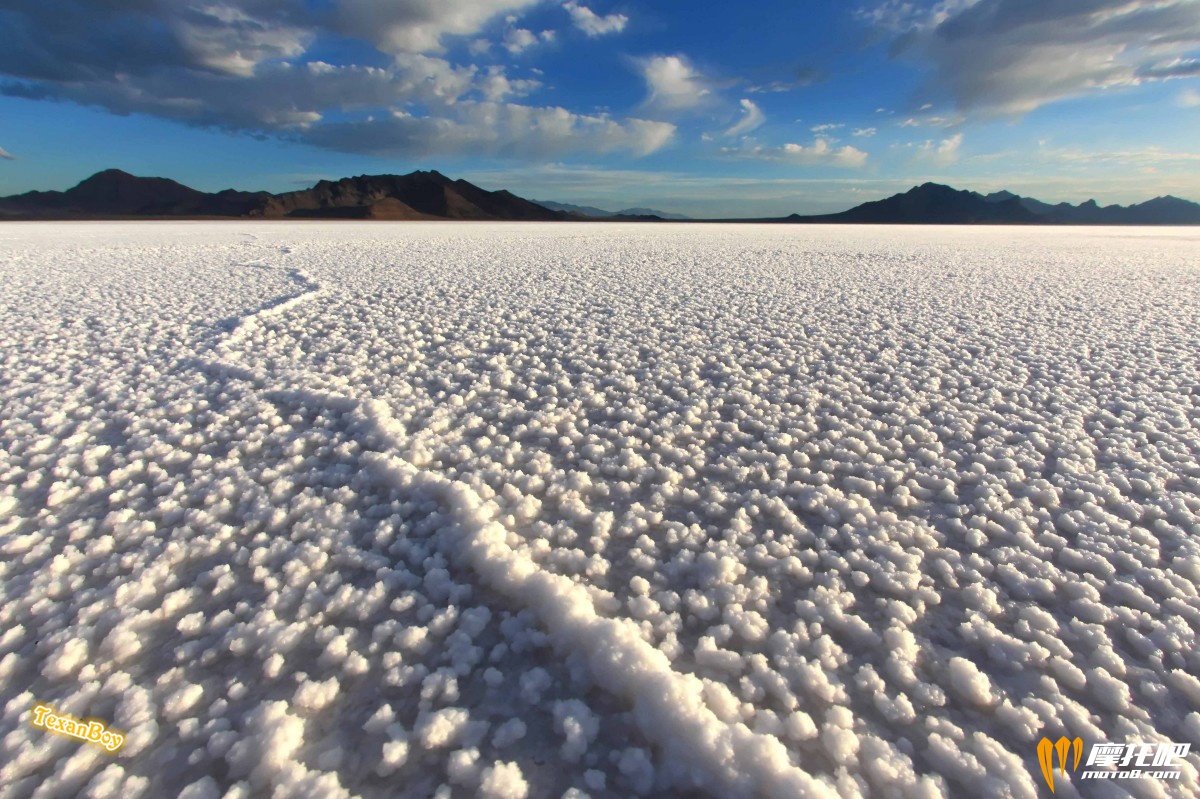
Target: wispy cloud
x,y
1145,156
1001,56
5,155
801,77
752,119
864,132
819,153
674,84
933,121
592,23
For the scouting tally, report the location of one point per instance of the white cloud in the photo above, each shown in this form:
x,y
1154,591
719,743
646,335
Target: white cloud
x,y
518,40
826,128
5,155
227,39
1007,57
942,153
752,118
496,129
496,86
237,65
592,23
1148,156
1189,98
673,83
933,122
281,97
419,26
819,153
478,47
864,132
944,122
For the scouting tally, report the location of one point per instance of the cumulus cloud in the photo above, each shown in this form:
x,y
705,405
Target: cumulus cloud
x,y
420,25
518,40
229,40
674,84
5,155
504,129
819,153
1010,56
281,97
244,65
496,85
752,118
592,23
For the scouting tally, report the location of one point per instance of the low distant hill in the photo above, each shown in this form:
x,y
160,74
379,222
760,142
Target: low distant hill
x,y
114,194
598,213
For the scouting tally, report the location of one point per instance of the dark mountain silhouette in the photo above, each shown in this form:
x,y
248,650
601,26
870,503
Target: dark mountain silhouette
x,y
650,212
419,195
114,194
1166,210
931,204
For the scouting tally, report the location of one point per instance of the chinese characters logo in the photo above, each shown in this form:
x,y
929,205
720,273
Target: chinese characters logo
x,y
1108,761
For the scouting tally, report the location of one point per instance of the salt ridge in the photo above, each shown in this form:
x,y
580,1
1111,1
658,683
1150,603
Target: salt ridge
x,y
701,750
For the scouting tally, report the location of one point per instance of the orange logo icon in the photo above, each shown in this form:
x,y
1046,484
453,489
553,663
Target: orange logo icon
x,y
1063,747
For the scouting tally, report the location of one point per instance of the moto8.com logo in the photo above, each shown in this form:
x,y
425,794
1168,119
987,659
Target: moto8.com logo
x,y
1113,761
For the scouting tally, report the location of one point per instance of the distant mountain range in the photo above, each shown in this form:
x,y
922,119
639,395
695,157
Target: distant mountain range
x,y
419,195
114,194
934,204
597,213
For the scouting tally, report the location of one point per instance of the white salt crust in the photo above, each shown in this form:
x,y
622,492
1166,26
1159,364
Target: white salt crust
x,y
524,511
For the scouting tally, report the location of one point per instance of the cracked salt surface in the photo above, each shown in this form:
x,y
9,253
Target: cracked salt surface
x,y
525,511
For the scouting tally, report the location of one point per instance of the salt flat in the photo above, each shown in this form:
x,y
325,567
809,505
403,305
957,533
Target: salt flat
x,y
609,510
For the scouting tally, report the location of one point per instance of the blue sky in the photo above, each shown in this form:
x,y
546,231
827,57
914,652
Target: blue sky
x,y
705,108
